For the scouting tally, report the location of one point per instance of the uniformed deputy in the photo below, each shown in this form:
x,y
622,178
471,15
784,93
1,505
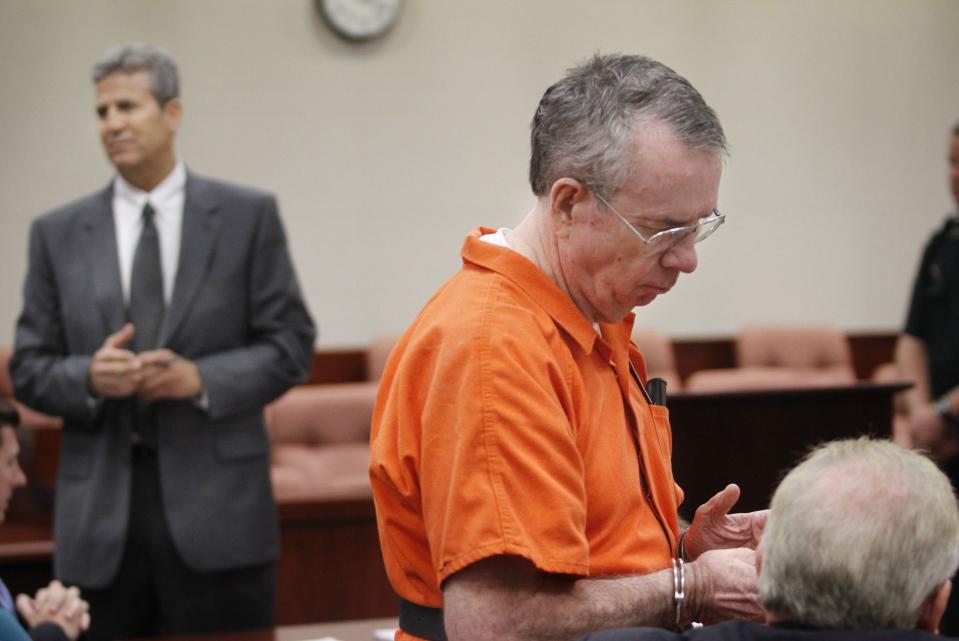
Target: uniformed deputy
x,y
928,351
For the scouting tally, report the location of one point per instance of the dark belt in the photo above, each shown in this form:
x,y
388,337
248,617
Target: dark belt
x,y
143,452
421,621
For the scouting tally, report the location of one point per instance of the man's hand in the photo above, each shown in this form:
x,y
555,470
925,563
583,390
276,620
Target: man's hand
x,y
167,375
713,528
930,432
721,585
56,604
115,371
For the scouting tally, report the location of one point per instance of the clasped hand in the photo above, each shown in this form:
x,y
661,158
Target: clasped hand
x,y
929,431
56,604
117,372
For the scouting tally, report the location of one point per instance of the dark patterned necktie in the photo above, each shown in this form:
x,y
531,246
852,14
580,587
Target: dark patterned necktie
x,y
146,313
146,286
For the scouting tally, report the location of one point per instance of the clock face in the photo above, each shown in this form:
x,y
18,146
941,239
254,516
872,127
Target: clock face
x,y
360,19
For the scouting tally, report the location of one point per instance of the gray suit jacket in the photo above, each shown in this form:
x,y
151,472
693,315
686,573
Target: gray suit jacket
x,y
236,311
747,631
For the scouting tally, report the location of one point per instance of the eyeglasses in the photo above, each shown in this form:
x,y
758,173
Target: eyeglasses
x,y
667,238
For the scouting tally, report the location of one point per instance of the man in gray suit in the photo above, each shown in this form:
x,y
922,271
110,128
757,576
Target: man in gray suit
x,y
160,315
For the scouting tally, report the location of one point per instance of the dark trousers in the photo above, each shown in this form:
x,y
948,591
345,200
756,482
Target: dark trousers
x,y
155,592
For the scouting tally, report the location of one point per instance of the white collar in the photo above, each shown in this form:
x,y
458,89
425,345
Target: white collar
x,y
170,187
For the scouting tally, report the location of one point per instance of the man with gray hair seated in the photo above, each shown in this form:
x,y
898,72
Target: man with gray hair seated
x,y
861,541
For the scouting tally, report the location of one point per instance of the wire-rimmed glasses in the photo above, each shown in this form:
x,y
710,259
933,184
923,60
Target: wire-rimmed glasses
x,y
665,239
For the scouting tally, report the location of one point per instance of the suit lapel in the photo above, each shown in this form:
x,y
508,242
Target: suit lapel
x,y
201,224
104,262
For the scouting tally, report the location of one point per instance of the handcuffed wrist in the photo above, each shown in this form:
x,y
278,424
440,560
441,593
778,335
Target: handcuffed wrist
x,y
679,590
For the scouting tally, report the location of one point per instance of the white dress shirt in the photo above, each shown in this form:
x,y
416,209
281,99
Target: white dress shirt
x,y
167,200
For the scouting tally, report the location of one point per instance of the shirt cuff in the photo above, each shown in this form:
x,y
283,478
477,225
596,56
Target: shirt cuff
x,y
202,401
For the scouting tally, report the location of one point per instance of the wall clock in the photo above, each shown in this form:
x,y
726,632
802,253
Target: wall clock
x,y
360,19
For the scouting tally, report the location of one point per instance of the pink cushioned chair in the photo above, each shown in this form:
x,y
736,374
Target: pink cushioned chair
x,y
319,437
657,351
778,356
377,354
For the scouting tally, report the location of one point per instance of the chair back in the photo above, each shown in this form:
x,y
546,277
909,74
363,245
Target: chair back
x,y
377,354
322,414
812,347
657,351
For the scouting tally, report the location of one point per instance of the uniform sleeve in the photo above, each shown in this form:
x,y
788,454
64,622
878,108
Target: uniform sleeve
x,y
917,316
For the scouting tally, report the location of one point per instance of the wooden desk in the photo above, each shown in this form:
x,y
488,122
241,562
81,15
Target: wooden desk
x,y
358,630
330,567
26,556
361,630
751,437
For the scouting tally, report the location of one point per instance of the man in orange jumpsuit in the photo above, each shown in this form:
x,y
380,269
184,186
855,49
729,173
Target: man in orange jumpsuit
x,y
521,475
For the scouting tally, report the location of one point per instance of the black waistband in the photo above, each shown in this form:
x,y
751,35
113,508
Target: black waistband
x,y
421,621
143,452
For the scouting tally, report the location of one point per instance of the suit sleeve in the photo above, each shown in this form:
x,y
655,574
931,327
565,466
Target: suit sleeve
x,y
45,375
280,350
48,632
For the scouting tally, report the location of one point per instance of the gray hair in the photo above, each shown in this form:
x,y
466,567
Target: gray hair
x,y
164,77
859,535
582,126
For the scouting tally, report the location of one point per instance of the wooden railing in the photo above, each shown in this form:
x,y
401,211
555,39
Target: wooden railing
x,y
692,354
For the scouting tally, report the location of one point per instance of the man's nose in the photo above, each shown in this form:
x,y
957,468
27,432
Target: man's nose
x,y
112,120
682,256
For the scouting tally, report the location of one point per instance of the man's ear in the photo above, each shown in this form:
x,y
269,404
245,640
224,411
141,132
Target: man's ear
x,y
930,612
173,113
770,618
564,195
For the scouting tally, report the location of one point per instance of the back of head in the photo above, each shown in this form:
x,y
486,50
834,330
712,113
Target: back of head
x,y
165,79
582,126
859,535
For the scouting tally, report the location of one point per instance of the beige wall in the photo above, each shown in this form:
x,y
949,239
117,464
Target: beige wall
x,y
385,155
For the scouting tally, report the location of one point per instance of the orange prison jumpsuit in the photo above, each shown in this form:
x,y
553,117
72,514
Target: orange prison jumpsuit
x,y
501,429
